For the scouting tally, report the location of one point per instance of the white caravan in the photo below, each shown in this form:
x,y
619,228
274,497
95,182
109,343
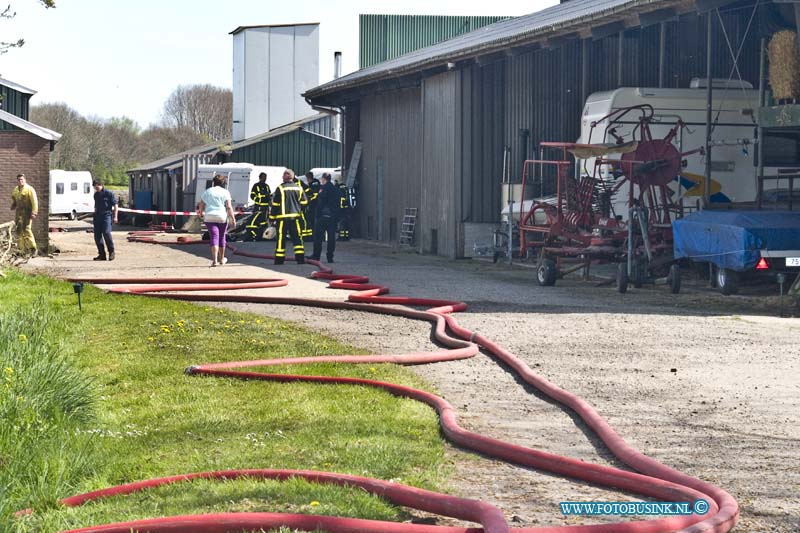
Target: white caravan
x,y
733,171
240,179
336,173
71,193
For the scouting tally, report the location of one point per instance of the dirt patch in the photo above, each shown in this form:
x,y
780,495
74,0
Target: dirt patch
x,y
707,384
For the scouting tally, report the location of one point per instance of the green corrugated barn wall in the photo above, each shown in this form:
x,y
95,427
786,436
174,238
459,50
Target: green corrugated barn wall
x,y
298,150
383,37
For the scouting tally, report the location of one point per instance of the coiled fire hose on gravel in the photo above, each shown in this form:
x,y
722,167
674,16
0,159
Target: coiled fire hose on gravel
x,y
654,479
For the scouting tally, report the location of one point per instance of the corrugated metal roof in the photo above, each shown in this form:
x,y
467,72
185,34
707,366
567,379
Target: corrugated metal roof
x,y
30,127
16,86
280,130
242,28
171,161
515,31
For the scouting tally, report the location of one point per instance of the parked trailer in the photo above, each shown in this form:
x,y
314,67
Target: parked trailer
x,y
71,193
739,244
733,166
240,179
336,173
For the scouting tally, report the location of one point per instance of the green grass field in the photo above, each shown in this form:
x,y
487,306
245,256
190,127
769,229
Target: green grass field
x,y
134,414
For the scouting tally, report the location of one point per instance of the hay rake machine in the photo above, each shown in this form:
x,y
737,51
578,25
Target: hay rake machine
x,y
581,226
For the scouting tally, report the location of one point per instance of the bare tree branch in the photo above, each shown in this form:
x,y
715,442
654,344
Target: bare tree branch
x,y
8,14
204,109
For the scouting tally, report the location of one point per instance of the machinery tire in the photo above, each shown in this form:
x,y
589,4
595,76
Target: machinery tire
x,y
727,281
674,279
622,277
547,273
72,215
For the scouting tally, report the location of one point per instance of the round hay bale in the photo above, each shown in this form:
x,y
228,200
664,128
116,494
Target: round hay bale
x,y
784,65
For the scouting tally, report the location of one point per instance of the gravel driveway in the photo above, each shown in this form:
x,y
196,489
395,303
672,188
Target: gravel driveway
x,y
707,384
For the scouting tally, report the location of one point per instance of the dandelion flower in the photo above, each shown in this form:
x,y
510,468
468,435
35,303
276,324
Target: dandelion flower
x,y
22,337
315,503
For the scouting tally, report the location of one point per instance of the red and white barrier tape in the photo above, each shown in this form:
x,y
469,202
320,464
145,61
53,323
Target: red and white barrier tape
x,y
184,213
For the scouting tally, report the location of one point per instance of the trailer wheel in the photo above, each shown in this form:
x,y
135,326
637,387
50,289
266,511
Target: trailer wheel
x,y
727,281
674,279
622,277
547,273
72,215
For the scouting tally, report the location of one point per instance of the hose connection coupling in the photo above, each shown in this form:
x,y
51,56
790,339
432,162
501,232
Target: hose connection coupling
x,y
191,370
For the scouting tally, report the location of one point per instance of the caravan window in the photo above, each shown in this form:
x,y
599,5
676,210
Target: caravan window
x,y
59,188
87,187
73,186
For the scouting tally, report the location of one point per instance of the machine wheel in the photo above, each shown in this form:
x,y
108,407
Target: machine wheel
x,y
727,281
622,277
547,273
674,279
72,215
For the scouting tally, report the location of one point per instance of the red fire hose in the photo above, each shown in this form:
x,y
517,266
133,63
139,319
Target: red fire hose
x,y
655,480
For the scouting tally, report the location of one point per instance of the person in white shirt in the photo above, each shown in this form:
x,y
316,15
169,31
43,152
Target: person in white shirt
x,y
216,210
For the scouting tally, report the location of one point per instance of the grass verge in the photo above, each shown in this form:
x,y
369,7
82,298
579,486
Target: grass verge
x,y
150,420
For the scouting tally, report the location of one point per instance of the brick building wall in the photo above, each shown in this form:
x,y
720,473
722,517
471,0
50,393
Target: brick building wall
x,y
25,153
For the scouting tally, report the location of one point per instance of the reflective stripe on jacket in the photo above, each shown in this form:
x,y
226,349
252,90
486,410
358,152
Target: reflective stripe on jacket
x,y
288,201
260,194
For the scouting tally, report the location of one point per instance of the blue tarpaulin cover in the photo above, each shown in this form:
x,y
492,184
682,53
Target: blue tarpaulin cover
x,y
732,239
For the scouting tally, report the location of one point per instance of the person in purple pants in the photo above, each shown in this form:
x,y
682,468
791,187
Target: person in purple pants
x,y
216,210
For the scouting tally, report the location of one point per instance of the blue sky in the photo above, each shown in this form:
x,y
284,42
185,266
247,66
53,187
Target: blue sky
x,y
108,58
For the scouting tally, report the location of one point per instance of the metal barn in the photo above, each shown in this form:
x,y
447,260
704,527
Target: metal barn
x,y
433,124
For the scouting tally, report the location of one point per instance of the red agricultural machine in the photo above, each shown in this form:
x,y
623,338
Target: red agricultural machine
x,y
581,226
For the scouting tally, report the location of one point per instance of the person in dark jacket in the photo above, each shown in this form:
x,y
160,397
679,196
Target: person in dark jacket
x,y
327,217
260,194
287,211
105,208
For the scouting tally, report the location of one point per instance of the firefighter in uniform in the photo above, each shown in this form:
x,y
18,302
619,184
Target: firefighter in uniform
x,y
288,202
344,221
26,207
311,188
260,195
